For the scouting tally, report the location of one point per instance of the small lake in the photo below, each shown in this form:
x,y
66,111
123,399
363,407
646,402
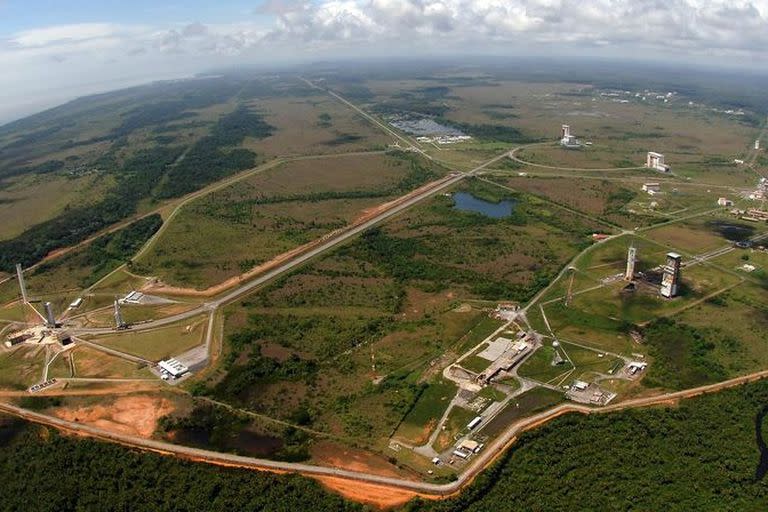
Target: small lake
x,y
466,202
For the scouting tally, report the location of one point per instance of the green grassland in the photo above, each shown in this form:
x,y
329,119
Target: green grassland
x,y
160,343
32,199
455,424
618,200
21,367
100,312
387,299
233,230
314,123
705,233
539,366
698,143
90,363
530,402
421,420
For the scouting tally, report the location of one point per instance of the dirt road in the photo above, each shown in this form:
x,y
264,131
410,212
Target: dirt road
x,y
488,456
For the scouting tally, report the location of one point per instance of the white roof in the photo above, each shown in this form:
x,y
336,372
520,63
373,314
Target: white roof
x,y
173,367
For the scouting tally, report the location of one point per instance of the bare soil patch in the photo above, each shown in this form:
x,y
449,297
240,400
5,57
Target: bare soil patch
x,y
134,415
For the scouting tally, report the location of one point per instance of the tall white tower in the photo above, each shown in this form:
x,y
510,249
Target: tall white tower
x,y
119,322
629,275
22,284
50,318
670,280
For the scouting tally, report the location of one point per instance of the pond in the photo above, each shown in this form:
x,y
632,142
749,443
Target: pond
x,y
466,202
732,231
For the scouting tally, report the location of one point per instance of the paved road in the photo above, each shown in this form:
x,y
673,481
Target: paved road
x,y
303,258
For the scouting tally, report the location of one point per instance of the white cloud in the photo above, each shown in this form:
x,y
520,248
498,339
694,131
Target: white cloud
x,y
321,29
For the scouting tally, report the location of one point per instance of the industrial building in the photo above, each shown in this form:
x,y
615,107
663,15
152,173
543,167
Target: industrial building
x,y
756,214
655,161
652,188
566,139
173,368
16,339
505,356
670,281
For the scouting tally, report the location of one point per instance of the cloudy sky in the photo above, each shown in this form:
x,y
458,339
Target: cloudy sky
x,y
54,50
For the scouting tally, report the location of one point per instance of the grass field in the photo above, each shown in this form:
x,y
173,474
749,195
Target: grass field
x,y
20,367
530,402
539,366
233,230
705,233
160,343
419,423
31,200
315,124
90,363
455,424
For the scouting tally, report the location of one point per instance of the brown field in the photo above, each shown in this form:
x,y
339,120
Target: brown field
x,y
133,415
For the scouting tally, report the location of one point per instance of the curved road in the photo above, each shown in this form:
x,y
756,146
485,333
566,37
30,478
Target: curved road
x,y
480,462
557,168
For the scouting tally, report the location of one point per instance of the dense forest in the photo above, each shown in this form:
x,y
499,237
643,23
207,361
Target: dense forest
x,y
106,252
159,172
41,470
703,454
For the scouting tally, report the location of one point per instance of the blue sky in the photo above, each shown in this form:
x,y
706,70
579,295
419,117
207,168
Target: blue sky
x,y
51,51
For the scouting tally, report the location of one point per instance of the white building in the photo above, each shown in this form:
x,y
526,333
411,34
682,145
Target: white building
x,y
173,368
655,161
566,139
651,188
724,202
